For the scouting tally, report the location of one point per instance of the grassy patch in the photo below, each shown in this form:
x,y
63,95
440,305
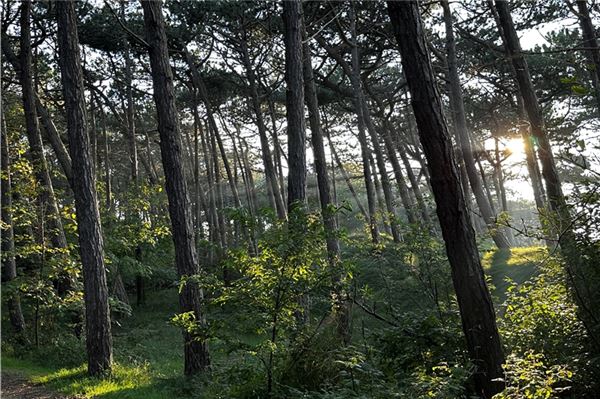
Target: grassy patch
x,y
516,264
148,359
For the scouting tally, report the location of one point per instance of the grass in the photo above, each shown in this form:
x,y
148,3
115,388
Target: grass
x,y
515,264
148,359
148,350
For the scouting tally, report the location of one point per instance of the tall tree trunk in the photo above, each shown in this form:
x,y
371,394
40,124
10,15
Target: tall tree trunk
x,y
270,174
46,197
97,312
292,18
130,110
347,179
462,134
558,204
475,303
9,267
278,152
203,93
402,187
414,183
531,159
341,308
186,259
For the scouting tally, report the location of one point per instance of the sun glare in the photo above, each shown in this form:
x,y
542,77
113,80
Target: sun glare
x,y
515,146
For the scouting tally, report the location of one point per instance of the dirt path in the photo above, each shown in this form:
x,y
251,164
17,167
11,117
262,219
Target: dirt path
x,y
16,386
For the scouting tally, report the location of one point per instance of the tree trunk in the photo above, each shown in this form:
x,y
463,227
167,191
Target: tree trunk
x,y
462,134
270,174
130,111
186,259
292,17
97,312
202,91
346,177
9,267
414,183
46,197
341,308
475,303
556,198
402,187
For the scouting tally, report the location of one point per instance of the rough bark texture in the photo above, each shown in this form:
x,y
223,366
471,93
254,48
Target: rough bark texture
x,y
292,18
186,258
462,133
98,334
475,304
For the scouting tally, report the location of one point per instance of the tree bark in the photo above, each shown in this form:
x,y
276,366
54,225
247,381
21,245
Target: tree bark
x,y
292,18
475,303
462,133
97,312
186,259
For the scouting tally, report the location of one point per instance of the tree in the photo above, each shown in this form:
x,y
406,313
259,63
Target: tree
x,y
475,304
292,20
9,267
97,313
186,259
341,309
558,204
462,133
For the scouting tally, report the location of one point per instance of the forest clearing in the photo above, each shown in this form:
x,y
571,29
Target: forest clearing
x,y
300,199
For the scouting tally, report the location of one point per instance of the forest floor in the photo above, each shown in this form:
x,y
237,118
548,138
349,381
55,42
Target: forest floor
x,y
148,352
18,386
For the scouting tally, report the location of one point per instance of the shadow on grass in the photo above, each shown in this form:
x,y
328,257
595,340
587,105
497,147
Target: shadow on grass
x,y
516,264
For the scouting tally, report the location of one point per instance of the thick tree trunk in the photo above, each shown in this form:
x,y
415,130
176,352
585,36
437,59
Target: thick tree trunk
x,y
97,312
9,267
475,303
462,133
186,258
292,17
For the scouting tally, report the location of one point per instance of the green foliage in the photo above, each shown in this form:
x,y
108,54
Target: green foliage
x,y
529,377
545,336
